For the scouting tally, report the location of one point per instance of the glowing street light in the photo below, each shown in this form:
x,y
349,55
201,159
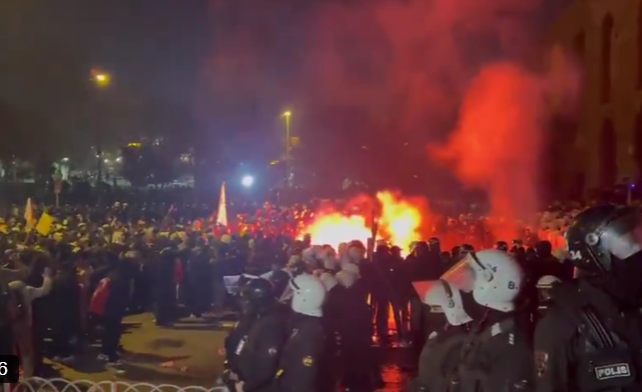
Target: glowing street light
x,y
65,159
102,79
247,181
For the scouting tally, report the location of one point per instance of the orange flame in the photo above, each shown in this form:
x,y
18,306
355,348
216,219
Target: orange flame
x,y
399,222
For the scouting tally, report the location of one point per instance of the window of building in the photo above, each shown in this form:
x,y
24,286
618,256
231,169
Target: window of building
x,y
607,41
608,154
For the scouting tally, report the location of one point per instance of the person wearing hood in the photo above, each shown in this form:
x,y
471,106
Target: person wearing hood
x,y
440,354
497,354
590,337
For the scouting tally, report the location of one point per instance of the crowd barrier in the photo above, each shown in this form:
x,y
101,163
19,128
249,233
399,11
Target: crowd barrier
x,y
37,384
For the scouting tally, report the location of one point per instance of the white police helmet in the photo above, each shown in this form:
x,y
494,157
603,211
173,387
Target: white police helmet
x,y
498,279
442,297
308,295
494,277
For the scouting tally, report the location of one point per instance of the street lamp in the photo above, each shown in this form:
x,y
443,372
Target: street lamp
x,y
101,79
247,181
288,114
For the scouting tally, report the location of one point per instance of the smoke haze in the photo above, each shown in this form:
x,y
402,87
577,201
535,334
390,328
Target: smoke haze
x,y
423,70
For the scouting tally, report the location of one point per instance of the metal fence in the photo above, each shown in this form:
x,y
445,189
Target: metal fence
x,y
37,384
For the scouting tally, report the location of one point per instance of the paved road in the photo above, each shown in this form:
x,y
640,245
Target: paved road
x,y
184,355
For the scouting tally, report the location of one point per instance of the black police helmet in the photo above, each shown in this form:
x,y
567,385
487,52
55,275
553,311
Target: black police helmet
x,y
279,280
543,248
257,296
502,245
600,233
467,248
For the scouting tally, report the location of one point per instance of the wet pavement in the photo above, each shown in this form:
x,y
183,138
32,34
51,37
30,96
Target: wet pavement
x,y
186,354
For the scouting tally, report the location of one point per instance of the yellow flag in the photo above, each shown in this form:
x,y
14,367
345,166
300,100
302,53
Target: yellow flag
x,y
45,224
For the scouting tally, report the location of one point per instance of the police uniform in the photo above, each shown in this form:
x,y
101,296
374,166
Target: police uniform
x,y
590,339
231,344
496,357
578,350
302,356
259,351
439,359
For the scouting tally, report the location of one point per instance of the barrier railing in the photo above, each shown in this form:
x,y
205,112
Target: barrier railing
x,y
37,384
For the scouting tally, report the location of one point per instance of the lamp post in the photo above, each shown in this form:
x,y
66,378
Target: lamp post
x,y
288,160
101,80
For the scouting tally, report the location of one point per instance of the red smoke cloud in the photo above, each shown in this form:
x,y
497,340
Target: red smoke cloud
x,y
409,63
498,141
432,61
422,68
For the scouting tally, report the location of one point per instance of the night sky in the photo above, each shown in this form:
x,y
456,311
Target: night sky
x,y
227,69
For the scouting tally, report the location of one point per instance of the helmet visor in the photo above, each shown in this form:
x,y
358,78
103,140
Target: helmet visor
x,y
622,236
461,276
433,293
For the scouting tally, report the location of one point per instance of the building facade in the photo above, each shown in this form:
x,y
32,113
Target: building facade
x,y
606,36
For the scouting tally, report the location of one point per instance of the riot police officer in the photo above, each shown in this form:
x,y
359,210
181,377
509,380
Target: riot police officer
x,y
440,355
301,361
591,336
496,355
255,358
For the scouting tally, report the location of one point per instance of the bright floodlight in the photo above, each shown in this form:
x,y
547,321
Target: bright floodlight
x,y
247,181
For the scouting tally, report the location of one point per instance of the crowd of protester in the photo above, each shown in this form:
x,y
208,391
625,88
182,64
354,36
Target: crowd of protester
x,y
95,265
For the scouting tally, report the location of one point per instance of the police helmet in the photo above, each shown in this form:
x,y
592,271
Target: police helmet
x,y
257,296
279,280
501,245
308,295
494,276
441,296
466,248
600,233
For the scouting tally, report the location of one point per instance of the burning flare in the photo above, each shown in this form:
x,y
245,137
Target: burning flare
x,y
400,221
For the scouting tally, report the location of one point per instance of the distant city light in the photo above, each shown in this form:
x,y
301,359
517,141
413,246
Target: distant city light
x,y
106,161
119,159
247,181
65,159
